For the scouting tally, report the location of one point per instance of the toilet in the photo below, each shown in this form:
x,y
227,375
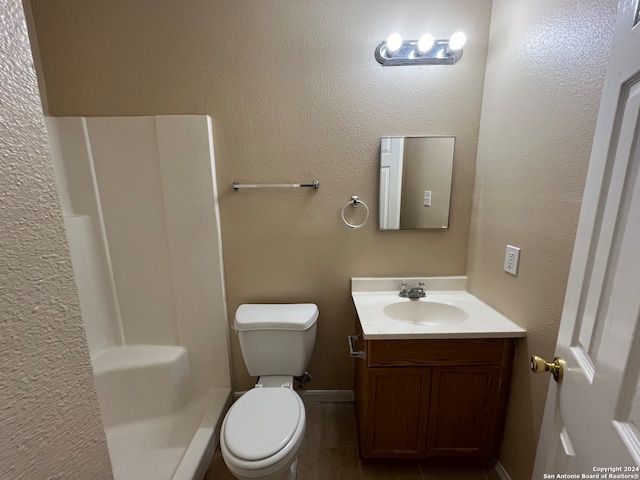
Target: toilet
x,y
263,430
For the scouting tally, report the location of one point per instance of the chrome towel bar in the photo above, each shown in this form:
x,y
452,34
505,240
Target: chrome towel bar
x,y
236,186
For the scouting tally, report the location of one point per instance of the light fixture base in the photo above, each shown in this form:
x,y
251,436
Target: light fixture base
x,y
439,54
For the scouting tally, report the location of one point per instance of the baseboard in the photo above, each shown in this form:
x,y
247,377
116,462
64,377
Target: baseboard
x,y
332,396
500,470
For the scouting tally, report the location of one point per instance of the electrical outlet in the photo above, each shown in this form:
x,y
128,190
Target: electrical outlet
x,y
427,198
511,260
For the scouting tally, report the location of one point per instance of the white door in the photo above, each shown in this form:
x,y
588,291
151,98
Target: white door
x,y
592,417
391,160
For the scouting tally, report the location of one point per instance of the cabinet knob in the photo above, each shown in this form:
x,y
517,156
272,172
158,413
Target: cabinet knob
x,y
539,365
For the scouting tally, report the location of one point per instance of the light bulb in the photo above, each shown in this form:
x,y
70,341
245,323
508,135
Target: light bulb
x,y
425,43
457,41
394,42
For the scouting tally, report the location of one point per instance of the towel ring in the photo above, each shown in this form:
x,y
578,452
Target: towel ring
x,y
354,202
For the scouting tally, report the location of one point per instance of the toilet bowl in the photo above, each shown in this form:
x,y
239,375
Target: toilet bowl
x,y
263,430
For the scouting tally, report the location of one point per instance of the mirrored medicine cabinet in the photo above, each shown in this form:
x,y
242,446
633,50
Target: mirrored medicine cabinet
x,y
415,182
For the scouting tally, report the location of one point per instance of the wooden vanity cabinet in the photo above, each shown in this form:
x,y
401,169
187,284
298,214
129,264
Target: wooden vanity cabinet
x,y
442,399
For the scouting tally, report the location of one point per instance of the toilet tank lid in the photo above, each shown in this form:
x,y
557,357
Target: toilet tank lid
x,y
289,316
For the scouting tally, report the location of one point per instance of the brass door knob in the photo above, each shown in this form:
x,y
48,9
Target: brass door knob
x,y
539,365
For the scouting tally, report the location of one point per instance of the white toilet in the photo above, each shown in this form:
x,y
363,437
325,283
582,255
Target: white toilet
x,y
263,429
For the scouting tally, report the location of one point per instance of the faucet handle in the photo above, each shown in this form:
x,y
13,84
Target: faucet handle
x,y
403,288
421,285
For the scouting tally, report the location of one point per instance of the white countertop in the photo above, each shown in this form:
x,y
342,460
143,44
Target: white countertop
x,y
372,295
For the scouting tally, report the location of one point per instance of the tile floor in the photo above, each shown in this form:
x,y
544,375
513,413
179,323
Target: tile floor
x,y
330,452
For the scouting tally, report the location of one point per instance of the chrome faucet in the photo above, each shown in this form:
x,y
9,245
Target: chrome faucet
x,y
413,292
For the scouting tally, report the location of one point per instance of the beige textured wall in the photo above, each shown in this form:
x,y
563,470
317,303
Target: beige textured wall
x,y
51,426
295,94
539,112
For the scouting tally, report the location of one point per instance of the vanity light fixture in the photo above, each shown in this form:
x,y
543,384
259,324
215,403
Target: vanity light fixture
x,y
424,51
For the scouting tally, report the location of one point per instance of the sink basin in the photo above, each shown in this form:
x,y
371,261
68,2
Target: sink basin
x,y
448,311
425,312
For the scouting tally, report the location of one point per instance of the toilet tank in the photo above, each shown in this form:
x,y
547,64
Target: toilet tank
x,y
276,339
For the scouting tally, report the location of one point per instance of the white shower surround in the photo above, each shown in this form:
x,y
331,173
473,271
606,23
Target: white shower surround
x,y
140,205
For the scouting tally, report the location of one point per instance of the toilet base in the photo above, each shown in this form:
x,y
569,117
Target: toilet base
x,y
289,473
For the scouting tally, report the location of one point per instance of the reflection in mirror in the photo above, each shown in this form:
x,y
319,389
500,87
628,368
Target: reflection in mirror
x,y
415,182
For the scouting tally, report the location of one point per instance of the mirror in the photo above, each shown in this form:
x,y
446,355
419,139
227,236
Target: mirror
x,y
415,182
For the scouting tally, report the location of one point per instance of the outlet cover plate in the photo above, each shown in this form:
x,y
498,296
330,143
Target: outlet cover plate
x,y
511,260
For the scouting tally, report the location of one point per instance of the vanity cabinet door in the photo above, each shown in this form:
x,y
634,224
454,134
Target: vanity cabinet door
x,y
396,415
463,416
439,399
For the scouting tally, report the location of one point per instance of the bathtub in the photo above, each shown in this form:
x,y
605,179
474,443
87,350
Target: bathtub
x,y
158,426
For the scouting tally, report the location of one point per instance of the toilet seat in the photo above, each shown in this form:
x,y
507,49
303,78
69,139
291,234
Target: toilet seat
x,y
262,422
278,463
